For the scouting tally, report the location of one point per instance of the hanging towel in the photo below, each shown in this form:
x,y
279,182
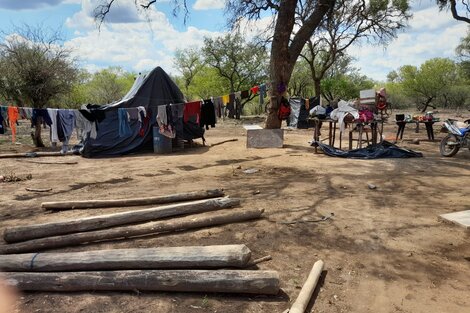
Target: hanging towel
x,y
13,116
124,127
225,99
67,123
84,127
53,116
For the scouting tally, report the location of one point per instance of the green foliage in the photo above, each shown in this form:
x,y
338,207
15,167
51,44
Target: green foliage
x,y
34,68
440,82
346,87
206,83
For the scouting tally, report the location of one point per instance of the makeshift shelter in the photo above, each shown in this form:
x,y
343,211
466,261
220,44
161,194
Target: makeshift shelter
x,y
149,91
299,114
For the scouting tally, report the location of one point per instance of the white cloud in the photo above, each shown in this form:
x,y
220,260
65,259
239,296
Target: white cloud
x,y
135,46
209,4
431,34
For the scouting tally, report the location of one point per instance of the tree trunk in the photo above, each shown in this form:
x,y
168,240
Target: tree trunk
x,y
28,232
36,135
129,259
227,281
317,84
426,104
281,65
87,204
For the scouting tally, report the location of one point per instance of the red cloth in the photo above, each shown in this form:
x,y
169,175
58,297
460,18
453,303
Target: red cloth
x,y
254,90
192,109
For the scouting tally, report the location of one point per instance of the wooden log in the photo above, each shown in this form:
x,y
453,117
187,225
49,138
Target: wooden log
x,y
306,292
190,257
88,204
227,281
177,224
28,232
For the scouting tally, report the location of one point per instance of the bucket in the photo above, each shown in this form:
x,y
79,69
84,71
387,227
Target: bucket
x,y
161,144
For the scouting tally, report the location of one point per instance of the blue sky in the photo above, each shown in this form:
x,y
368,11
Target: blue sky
x,y
139,41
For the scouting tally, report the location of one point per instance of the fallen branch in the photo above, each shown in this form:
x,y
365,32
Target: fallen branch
x,y
190,257
178,224
38,189
227,281
179,197
45,162
32,154
28,232
260,260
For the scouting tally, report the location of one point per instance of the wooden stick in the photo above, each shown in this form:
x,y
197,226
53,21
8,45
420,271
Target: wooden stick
x,y
45,162
33,154
87,204
190,257
306,292
38,189
254,262
23,233
178,224
227,281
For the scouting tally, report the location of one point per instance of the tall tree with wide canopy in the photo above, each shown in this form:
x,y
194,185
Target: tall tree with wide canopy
x,y
35,68
287,42
352,20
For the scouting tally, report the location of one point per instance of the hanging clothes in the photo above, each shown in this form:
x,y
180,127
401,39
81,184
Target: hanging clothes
x,y
13,116
67,123
177,113
28,113
42,115
231,106
4,113
262,93
84,127
124,127
218,104
207,114
245,94
225,99
2,128
53,116
254,90
192,111
164,121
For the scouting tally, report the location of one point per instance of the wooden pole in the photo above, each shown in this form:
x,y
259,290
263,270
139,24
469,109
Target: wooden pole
x,y
178,224
89,204
28,232
227,281
306,292
189,257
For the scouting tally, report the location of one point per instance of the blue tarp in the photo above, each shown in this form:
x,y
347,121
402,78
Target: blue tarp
x,y
384,149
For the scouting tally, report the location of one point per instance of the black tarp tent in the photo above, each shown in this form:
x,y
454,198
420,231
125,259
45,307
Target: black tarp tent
x,y
149,91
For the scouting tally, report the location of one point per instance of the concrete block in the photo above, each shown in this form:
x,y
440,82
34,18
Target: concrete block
x,y
461,218
265,138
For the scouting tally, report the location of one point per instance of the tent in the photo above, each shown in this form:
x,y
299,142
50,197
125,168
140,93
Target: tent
x,y
149,91
299,114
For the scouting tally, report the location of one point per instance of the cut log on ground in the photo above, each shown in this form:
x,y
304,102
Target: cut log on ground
x,y
190,257
38,189
227,281
28,232
46,162
90,204
177,224
306,292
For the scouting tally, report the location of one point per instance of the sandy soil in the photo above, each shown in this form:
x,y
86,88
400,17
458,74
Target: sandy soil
x,y
385,249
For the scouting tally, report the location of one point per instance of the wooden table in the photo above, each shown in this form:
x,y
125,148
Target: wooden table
x,y
331,131
429,129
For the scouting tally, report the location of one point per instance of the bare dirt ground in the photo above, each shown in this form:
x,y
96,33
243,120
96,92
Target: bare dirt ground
x,y
385,249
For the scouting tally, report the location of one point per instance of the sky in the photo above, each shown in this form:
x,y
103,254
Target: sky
x,y
138,41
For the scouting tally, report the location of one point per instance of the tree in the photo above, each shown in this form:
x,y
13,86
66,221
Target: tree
x,y
351,21
431,81
286,43
461,13
35,68
345,86
109,85
463,49
188,62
